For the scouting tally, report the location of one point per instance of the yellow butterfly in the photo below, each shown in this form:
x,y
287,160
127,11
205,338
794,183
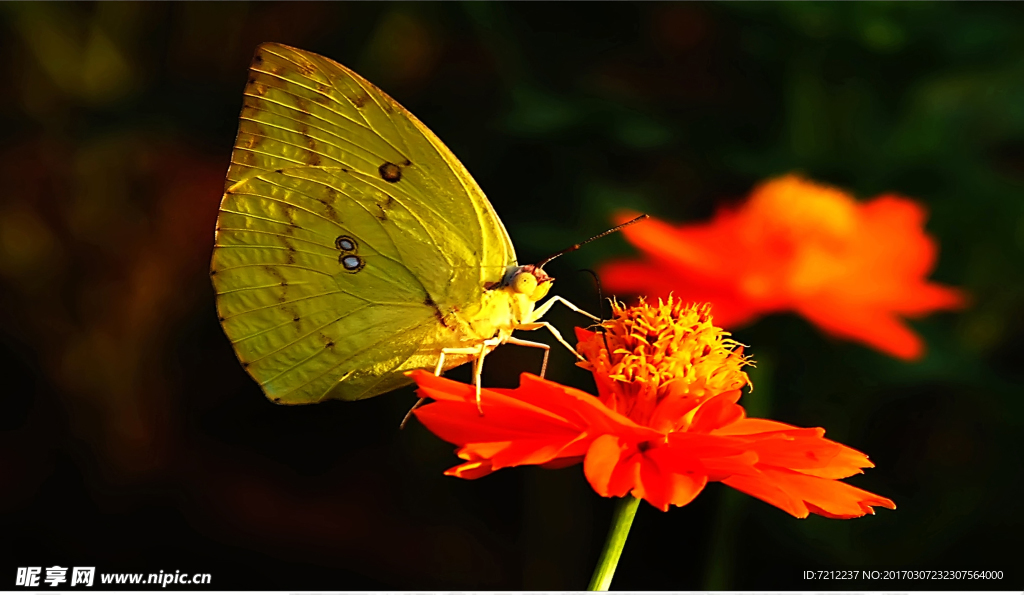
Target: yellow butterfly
x,y
352,246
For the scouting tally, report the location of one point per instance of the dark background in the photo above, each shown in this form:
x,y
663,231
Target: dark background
x,y
131,439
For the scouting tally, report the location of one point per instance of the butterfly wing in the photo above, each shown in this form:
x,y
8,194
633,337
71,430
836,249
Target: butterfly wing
x,y
348,235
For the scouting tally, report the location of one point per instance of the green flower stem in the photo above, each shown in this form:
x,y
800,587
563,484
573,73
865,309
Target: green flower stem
x,y
622,520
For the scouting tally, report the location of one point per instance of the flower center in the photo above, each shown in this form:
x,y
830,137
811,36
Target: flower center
x,y
647,354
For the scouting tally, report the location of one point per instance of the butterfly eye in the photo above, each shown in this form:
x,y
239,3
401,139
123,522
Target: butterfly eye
x,y
541,291
524,283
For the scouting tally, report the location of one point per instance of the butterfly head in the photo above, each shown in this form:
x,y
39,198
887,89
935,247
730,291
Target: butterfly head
x,y
529,280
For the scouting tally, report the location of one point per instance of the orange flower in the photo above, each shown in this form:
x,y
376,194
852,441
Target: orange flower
x,y
665,424
851,268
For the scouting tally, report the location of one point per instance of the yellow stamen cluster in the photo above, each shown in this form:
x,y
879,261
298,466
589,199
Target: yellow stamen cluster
x,y
647,353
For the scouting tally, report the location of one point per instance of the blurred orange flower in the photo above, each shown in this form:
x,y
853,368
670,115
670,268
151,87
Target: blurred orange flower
x,y
851,268
665,424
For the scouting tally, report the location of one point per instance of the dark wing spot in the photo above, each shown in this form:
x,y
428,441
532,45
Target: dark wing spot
x,y
289,212
212,272
322,88
390,172
305,66
273,272
245,365
257,59
250,141
360,100
428,301
255,105
407,163
277,399
220,318
278,171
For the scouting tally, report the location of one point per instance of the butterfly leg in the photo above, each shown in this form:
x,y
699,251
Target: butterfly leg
x,y
546,348
440,368
543,309
532,326
478,366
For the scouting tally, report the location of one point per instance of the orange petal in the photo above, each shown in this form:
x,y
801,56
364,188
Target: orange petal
x,y
795,451
470,470
606,466
762,489
752,425
659,279
928,297
847,462
800,449
537,423
638,277
799,494
719,411
666,478
664,241
563,462
880,330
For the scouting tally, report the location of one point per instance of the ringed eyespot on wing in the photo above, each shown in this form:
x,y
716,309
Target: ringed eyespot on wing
x,y
345,244
352,263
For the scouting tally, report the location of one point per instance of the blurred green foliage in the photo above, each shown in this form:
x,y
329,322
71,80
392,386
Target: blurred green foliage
x,y
132,440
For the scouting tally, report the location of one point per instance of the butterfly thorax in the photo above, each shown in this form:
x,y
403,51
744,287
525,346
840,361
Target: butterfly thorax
x,y
508,305
499,311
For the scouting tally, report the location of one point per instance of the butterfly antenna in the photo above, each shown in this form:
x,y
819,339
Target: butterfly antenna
x,y
600,329
597,281
575,247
